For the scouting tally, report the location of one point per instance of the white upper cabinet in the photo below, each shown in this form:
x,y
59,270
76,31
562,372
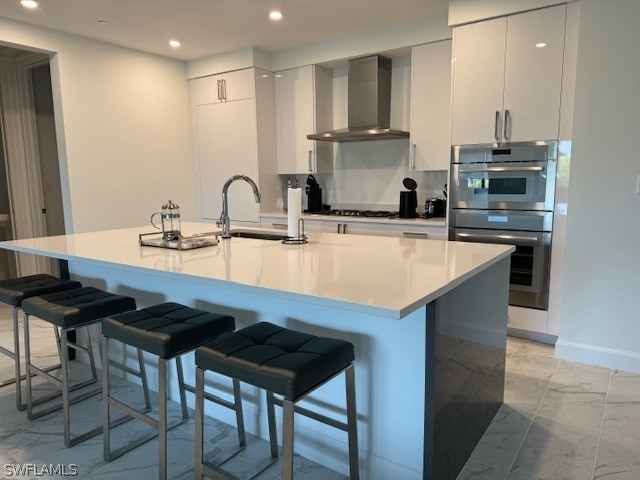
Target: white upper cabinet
x,y
224,87
533,74
430,106
304,105
507,78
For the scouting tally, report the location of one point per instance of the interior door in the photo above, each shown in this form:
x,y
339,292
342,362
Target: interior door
x,y
226,147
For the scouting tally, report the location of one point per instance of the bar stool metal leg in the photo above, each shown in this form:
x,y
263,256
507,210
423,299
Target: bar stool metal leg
x,y
273,431
199,430
352,423
287,440
106,385
181,388
16,353
162,418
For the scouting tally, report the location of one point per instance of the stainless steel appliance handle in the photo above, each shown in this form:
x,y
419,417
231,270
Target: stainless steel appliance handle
x,y
415,234
412,156
507,125
311,161
501,169
507,239
497,126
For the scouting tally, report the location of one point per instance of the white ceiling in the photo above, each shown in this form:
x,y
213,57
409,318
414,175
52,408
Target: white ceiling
x,y
208,27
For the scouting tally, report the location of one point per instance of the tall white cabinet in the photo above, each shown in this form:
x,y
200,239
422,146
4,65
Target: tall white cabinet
x,y
507,78
234,134
430,106
304,105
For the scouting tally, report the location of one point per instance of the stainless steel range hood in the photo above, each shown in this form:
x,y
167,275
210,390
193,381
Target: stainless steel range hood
x,y
369,97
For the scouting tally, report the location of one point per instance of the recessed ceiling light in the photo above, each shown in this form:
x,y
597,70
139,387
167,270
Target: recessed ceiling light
x,y
29,3
275,15
541,45
174,43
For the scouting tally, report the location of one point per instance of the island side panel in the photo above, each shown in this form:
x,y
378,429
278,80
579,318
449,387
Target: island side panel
x,y
390,370
468,368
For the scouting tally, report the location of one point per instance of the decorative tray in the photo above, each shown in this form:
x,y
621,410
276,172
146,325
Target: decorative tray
x,y
183,243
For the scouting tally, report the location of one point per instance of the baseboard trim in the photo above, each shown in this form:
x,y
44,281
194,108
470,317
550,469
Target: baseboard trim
x,y
604,357
534,336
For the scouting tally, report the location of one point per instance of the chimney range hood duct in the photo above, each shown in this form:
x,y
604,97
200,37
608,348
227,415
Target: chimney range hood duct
x,y
369,96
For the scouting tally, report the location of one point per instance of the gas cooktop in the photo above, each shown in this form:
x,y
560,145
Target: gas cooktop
x,y
358,213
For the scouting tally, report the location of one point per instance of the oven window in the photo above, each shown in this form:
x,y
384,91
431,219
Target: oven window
x,y
507,186
522,266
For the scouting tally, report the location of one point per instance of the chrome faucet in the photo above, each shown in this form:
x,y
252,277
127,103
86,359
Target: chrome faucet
x,y
224,217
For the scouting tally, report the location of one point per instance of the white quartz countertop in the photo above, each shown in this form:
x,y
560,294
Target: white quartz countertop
x,y
385,276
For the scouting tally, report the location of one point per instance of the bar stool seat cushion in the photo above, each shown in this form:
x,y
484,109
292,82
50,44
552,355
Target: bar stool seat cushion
x,y
167,329
71,308
277,359
14,290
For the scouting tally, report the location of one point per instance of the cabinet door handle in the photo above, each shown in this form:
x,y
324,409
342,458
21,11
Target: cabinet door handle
x,y
497,126
339,227
344,228
507,125
310,161
415,234
219,89
224,89
412,156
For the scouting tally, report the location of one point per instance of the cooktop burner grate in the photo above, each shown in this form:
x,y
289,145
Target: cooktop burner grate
x,y
360,213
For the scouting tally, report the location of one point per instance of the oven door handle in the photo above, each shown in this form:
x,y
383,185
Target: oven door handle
x,y
506,239
502,169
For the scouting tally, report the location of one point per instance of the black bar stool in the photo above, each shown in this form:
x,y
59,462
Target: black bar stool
x,y
13,292
284,362
167,330
68,311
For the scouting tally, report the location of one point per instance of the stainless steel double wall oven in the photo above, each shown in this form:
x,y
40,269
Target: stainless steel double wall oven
x,y
505,194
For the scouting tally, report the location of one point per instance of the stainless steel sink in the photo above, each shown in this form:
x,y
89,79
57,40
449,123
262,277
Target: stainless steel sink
x,y
260,235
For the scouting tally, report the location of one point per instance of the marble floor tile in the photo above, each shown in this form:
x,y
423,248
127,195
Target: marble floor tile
x,y
618,458
622,417
478,471
625,383
501,442
553,451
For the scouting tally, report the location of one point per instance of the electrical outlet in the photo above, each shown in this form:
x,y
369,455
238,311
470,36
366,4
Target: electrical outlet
x,y
280,203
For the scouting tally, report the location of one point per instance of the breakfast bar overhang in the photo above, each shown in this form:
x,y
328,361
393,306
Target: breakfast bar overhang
x,y
428,320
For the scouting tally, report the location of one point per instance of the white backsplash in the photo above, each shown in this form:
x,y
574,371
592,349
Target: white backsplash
x,y
368,175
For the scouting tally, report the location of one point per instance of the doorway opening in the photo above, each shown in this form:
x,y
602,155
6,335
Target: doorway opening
x,y
31,202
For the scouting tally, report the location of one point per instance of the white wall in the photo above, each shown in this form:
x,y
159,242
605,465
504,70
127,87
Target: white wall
x,y
600,318
122,121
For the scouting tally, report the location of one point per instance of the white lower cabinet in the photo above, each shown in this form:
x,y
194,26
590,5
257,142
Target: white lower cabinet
x,y
361,228
418,231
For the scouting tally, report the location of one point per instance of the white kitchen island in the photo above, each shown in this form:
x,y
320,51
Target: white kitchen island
x,y
428,319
